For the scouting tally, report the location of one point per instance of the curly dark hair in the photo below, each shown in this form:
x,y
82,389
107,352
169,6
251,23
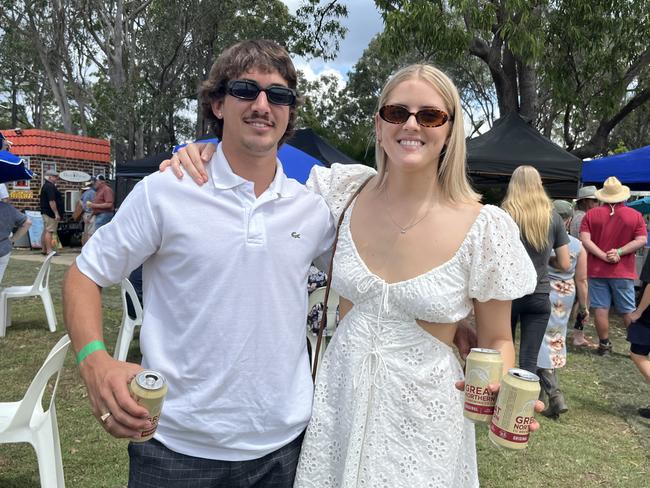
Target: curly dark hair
x,y
264,55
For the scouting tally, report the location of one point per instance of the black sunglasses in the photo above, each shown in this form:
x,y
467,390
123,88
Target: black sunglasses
x,y
427,117
250,90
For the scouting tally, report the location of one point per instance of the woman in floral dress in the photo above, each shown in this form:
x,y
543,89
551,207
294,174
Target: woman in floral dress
x,y
564,287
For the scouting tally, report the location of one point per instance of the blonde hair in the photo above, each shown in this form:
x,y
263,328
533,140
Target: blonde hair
x,y
529,206
452,174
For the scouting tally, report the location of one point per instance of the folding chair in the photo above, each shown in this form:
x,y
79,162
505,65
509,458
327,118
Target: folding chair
x,y
128,323
317,297
25,420
40,287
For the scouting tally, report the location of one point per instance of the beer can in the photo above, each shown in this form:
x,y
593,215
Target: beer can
x,y
515,408
482,368
149,388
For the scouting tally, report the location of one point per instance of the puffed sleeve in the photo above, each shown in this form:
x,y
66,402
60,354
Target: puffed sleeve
x,y
500,268
337,184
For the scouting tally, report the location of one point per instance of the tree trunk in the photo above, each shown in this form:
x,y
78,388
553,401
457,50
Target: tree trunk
x,y
527,91
504,74
14,101
598,142
139,142
53,72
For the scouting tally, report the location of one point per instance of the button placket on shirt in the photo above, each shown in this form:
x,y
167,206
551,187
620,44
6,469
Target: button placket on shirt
x,y
253,216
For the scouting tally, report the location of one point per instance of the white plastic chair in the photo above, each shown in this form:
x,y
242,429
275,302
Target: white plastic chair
x,y
128,324
40,287
25,420
315,297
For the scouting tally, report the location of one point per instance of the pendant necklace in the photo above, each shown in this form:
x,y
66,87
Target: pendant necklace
x,y
402,230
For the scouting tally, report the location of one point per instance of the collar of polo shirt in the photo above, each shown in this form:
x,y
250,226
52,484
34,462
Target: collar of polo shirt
x,y
223,177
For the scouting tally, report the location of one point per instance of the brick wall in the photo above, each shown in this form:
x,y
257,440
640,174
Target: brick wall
x,y
27,198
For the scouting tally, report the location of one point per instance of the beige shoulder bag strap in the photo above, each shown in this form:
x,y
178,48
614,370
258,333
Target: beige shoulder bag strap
x,y
323,320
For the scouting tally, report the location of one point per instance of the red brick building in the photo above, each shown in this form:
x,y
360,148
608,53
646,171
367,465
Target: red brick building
x,y
43,150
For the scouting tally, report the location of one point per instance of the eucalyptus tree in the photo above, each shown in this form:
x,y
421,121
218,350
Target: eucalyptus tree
x,y
577,68
130,70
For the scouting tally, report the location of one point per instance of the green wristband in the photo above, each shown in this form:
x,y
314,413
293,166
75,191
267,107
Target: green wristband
x,y
619,252
90,348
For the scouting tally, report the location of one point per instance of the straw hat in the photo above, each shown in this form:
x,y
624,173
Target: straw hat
x,y
613,191
586,192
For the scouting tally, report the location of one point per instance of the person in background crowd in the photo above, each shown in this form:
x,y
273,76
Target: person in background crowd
x,y
611,234
5,144
11,220
565,286
638,333
87,212
4,193
542,231
102,206
315,279
585,201
51,202
136,280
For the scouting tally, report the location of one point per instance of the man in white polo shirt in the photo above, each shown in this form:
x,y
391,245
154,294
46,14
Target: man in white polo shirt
x,y
225,267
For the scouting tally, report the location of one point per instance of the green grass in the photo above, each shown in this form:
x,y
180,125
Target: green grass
x,y
601,441
91,458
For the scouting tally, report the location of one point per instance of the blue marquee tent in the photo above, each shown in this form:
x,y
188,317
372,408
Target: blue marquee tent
x,y
631,168
296,163
298,155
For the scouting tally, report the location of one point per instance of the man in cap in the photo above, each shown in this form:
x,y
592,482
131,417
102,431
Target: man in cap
x,y
585,201
51,202
611,233
103,204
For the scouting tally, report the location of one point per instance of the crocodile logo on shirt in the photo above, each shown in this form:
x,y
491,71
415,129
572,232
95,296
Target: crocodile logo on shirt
x,y
295,235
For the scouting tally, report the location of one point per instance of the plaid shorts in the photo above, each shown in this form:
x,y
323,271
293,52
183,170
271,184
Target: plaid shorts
x,y
152,465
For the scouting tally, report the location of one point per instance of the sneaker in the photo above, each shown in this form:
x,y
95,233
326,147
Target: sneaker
x,y
645,413
604,349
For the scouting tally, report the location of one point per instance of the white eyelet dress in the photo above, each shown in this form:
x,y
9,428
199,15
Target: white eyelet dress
x,y
386,413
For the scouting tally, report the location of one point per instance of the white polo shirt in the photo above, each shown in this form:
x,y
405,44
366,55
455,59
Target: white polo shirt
x,y
225,303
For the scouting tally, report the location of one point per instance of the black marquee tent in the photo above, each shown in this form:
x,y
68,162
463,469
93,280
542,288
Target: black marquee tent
x,y
308,141
512,142
129,173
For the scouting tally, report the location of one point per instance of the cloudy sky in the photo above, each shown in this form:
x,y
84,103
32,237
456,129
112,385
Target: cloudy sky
x,y
363,22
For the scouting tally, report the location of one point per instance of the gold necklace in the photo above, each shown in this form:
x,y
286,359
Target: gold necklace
x,y
402,230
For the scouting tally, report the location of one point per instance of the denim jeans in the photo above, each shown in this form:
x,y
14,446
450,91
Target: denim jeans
x,y
103,219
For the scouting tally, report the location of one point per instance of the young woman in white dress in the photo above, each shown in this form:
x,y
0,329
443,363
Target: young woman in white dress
x,y
416,253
